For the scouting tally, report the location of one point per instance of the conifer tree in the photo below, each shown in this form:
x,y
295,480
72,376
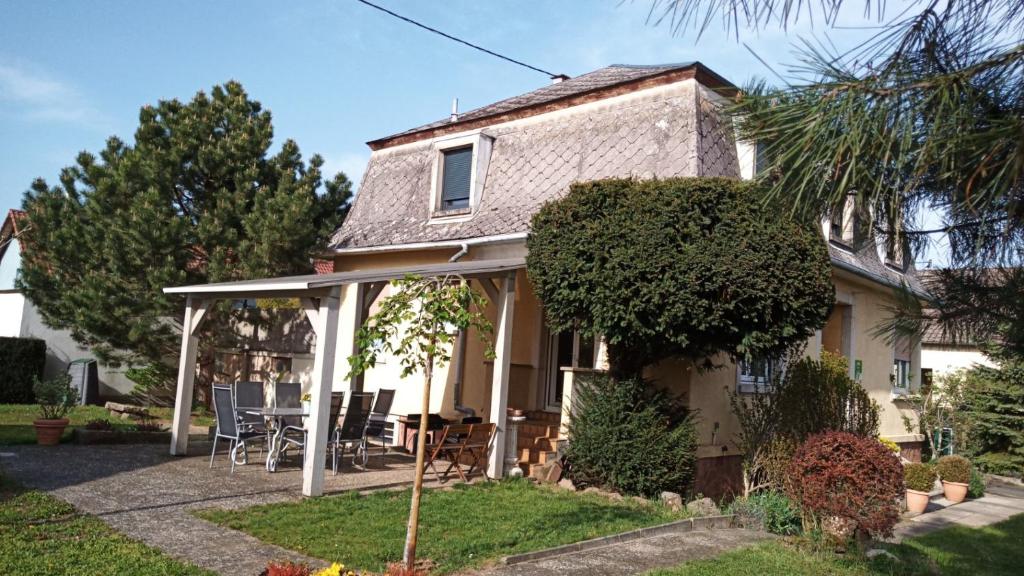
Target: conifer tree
x,y
197,197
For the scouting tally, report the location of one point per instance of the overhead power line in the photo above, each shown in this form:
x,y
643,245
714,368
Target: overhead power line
x,y
459,40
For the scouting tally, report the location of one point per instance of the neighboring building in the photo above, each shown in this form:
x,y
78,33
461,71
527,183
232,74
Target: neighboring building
x,y
466,187
942,354
21,319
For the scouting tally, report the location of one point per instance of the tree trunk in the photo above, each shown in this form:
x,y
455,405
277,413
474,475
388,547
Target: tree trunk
x,y
409,554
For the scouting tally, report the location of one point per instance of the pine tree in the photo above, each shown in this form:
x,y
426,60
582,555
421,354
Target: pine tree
x,y
197,198
994,409
925,115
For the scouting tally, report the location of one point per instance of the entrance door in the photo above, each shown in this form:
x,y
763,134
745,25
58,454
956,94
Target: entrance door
x,y
566,350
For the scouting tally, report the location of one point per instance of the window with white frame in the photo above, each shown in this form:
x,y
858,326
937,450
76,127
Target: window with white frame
x,y
456,178
755,374
459,174
901,364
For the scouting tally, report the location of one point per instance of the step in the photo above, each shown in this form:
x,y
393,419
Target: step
x,y
538,430
536,443
543,416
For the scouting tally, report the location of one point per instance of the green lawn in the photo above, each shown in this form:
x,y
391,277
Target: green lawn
x,y
16,420
40,534
995,550
463,527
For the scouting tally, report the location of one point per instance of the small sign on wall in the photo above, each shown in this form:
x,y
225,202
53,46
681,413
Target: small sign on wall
x,y
858,369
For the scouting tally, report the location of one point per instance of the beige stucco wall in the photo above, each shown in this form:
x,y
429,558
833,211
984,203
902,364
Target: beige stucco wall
x,y
704,390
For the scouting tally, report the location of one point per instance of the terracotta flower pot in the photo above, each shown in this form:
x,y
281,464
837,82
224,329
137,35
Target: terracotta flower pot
x,y
916,501
48,432
955,492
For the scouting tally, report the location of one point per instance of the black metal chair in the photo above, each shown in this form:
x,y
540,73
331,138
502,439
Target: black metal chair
x,y
249,396
289,395
376,427
227,426
352,430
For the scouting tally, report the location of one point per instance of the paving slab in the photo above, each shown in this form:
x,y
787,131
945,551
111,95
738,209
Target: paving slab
x,y
146,494
635,556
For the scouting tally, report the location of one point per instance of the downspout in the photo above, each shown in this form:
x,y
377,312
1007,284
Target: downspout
x,y
460,346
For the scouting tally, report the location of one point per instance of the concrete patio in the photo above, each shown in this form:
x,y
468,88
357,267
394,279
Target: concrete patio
x,y
147,494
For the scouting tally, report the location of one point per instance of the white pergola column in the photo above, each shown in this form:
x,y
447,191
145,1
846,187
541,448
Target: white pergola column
x,y
326,328
505,301
194,312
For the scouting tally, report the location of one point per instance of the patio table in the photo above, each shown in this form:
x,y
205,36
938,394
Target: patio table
x,y
277,415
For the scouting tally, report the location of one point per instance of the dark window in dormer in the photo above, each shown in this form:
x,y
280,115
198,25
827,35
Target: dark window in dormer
x,y
455,177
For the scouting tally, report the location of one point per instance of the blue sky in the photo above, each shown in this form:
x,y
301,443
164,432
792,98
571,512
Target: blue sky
x,y
334,73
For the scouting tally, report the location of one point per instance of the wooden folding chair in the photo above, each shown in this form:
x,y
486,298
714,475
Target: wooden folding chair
x,y
472,441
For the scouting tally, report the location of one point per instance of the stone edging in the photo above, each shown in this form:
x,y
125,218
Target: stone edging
x,y
685,525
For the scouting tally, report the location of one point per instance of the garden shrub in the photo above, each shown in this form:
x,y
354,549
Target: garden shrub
x,y
772,511
287,569
919,476
994,405
976,487
839,474
627,436
684,267
23,360
954,469
840,403
892,446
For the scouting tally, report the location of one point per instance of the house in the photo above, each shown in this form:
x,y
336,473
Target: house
x,y
19,318
457,196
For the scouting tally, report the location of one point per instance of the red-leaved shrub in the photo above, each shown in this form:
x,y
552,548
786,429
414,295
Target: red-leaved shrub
x,y
856,478
286,569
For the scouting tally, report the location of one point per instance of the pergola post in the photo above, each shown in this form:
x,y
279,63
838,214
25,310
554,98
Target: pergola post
x,y
317,425
194,312
502,364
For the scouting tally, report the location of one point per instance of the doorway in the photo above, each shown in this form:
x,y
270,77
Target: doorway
x,y
568,349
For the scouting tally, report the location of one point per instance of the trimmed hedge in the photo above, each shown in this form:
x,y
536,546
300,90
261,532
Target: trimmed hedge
x,y
21,363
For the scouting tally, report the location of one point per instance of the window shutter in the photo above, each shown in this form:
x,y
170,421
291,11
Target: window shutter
x,y
458,166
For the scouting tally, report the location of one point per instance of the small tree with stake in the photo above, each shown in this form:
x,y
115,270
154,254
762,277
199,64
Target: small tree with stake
x,y
417,324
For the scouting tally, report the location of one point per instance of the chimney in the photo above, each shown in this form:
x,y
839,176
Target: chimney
x,y
558,78
455,110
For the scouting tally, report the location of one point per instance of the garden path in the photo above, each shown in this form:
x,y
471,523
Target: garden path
x,y
635,556
146,494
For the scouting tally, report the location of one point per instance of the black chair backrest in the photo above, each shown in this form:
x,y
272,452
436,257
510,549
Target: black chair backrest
x,y
225,411
337,401
249,395
288,395
382,406
356,415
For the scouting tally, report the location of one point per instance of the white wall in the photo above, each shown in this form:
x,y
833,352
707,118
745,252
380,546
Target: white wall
x,y
12,308
943,360
62,349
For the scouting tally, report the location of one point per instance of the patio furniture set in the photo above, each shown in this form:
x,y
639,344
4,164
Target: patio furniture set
x,y
244,417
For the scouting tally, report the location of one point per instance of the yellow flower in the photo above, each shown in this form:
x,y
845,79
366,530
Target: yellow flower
x,y
332,570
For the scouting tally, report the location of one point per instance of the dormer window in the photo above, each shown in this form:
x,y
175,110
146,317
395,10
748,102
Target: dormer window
x,y
456,174
893,253
460,169
841,223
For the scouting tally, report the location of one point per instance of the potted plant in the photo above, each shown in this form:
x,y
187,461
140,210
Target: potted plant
x,y
919,480
56,398
955,473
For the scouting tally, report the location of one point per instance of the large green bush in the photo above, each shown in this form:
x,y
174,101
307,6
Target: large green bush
x,y
679,267
994,409
628,436
21,362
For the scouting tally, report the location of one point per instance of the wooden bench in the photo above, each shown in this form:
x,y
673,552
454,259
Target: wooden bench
x,y
459,444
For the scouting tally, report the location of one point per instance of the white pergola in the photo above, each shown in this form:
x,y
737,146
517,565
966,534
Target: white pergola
x,y
336,314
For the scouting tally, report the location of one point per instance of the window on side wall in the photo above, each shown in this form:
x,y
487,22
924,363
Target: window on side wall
x,y
755,375
901,365
456,176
